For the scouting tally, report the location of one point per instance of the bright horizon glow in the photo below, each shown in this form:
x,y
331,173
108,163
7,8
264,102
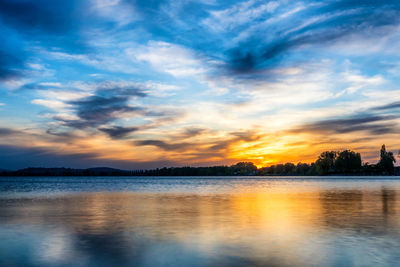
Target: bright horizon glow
x,y
143,84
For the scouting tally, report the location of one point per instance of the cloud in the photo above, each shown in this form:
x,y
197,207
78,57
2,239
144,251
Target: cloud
x,y
165,145
108,8
118,132
8,131
394,105
52,104
372,124
336,20
197,149
7,64
160,89
192,132
108,102
106,106
357,81
39,15
98,110
11,56
233,138
56,99
170,58
239,14
39,22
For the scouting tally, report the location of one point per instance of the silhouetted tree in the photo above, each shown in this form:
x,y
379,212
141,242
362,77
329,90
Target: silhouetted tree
x,y
279,169
302,168
290,169
348,162
325,163
313,169
386,163
244,168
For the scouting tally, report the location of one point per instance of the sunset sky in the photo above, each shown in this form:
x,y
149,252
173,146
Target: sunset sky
x,y
145,84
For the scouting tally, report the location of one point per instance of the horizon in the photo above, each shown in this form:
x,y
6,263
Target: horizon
x,y
363,163
150,84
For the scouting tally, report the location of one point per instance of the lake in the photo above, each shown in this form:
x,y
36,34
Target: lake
x,y
199,221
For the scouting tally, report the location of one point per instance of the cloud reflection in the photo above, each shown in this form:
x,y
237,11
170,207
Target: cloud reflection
x,y
275,226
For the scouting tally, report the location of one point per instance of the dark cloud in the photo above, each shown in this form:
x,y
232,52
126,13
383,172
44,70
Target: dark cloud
x,y
7,132
216,147
339,19
221,145
9,65
55,132
118,132
108,104
393,105
54,135
40,15
376,125
98,110
165,145
247,136
192,132
50,23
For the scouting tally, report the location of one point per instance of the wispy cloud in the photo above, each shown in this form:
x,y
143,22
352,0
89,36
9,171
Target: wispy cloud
x,y
331,22
118,131
170,58
239,14
394,105
373,124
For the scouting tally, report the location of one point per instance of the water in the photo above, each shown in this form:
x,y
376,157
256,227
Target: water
x,y
213,221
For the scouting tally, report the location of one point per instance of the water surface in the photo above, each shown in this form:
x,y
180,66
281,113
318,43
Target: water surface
x,y
209,221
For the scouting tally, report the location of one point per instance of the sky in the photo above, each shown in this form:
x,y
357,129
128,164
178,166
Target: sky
x,y
146,84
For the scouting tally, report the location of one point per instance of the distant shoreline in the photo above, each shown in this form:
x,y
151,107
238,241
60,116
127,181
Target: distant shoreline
x,y
166,172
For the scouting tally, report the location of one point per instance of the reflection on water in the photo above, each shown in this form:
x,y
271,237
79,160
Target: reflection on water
x,y
229,223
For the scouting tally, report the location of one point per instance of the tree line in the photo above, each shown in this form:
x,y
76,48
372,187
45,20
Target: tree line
x,y
344,162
